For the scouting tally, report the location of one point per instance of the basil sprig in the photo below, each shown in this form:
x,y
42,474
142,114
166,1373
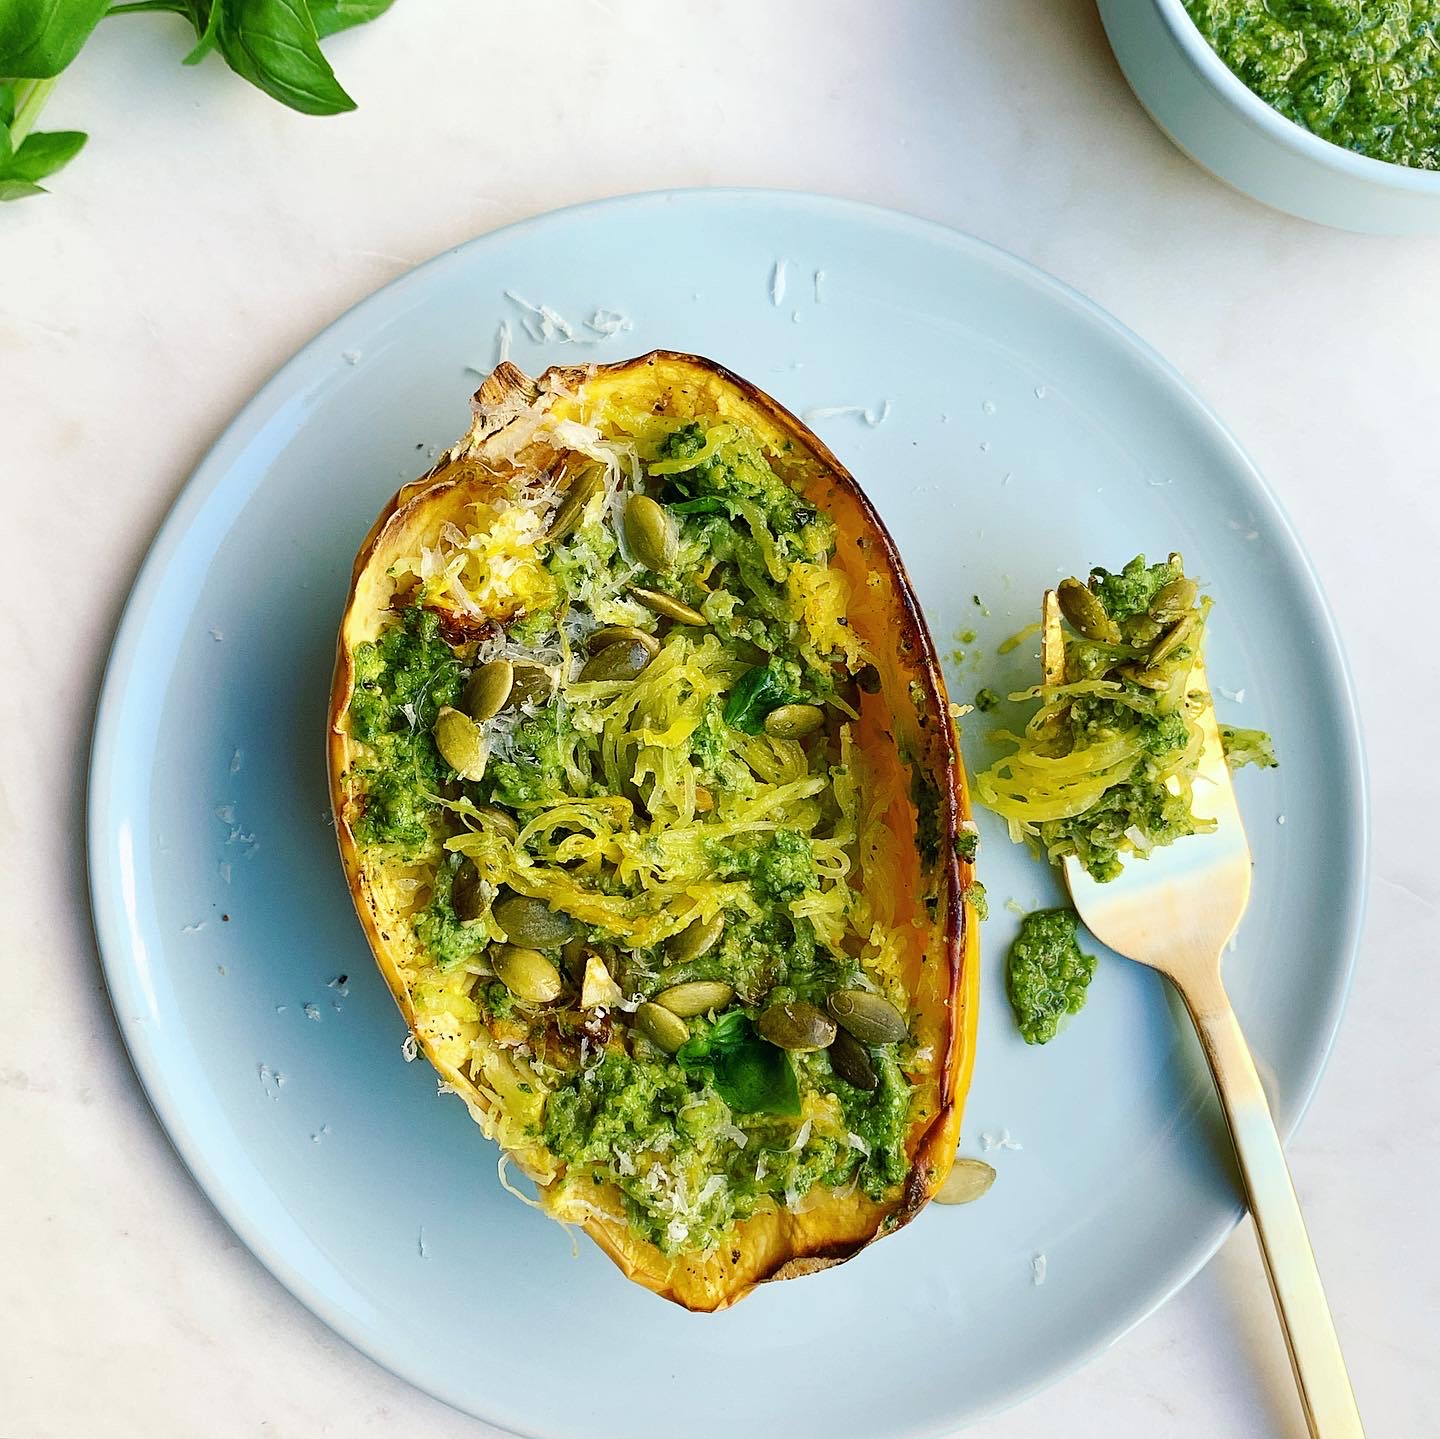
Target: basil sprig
x,y
274,44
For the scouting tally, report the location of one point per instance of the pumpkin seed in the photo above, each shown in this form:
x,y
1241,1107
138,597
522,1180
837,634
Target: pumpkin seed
x,y
1173,600
870,1017
526,973
620,661
1172,639
699,996
794,721
501,821
488,690
534,684
1086,614
669,606
468,892
651,534
608,635
868,678
968,1179
461,743
571,509
797,1025
531,921
694,940
851,1061
663,1028
1148,677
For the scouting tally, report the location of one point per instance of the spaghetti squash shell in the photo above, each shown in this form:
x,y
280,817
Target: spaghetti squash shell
x,y
906,727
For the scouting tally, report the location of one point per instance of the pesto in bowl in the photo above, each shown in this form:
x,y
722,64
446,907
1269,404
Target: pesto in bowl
x,y
1361,74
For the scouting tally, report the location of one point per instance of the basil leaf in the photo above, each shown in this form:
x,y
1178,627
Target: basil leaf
x,y
757,1078
727,1031
757,692
42,154
333,16
745,709
750,1075
39,38
19,189
7,102
273,45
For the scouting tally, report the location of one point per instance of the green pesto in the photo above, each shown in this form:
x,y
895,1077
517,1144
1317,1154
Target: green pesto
x,y
586,561
1047,975
1362,74
740,474
535,774
974,895
684,442
725,505
1130,593
499,1001
1247,746
531,631
401,682
879,1118
449,939
755,955
1100,836
715,764
986,700
627,1104
779,866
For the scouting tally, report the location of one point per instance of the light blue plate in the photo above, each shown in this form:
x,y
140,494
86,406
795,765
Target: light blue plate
x,y
1021,434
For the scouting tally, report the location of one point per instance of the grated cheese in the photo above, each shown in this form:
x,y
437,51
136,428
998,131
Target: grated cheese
x,y
777,282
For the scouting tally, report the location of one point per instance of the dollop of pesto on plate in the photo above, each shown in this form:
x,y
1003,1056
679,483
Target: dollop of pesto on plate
x,y
1047,974
1363,74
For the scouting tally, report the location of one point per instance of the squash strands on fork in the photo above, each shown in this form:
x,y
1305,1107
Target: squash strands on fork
x,y
648,795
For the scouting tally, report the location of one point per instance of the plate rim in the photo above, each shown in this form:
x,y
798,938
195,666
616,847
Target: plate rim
x,y
117,960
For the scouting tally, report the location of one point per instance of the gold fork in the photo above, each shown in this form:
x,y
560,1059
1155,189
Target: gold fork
x,y
1176,911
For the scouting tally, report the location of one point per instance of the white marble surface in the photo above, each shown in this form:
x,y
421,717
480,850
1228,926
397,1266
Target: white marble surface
x,y
206,233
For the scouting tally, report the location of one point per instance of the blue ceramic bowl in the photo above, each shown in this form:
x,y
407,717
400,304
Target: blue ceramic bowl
x,y
1221,124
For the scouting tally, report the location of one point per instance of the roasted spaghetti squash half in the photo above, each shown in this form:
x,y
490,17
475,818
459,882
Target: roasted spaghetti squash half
x,y
648,794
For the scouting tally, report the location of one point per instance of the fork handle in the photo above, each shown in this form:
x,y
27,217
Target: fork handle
x,y
1325,1393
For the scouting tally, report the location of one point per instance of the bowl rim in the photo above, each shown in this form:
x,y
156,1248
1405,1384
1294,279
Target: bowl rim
x,y
1263,116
